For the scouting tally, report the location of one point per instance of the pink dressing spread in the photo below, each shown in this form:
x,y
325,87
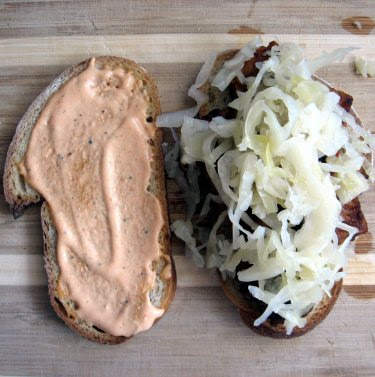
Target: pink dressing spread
x,y
89,157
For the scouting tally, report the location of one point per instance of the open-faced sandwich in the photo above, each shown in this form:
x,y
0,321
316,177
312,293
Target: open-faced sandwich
x,y
89,149
271,161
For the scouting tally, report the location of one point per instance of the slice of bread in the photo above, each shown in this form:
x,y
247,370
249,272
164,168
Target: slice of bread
x,y
250,308
19,195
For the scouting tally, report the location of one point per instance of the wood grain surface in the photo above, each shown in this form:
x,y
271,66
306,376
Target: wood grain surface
x,y
202,334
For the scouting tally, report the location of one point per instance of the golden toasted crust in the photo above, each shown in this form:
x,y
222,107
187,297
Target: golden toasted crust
x,y
249,308
18,194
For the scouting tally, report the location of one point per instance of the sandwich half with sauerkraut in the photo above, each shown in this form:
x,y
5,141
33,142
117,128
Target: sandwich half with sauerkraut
x,y
271,162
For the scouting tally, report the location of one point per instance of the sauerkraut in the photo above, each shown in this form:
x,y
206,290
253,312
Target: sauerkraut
x,y
364,68
292,157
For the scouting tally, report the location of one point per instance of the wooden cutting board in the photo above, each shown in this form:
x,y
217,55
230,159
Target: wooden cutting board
x,y
202,334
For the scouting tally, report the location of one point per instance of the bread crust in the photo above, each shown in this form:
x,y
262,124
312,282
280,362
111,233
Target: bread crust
x,y
19,195
249,309
249,312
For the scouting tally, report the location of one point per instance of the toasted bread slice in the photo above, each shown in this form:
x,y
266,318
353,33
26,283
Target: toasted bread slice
x,y
19,195
250,308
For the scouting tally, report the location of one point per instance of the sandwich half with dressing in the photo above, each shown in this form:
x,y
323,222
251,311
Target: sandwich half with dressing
x,y
89,150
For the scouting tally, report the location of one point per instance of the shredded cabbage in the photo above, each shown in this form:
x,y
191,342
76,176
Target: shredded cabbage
x,y
184,230
363,68
292,158
232,68
328,58
176,118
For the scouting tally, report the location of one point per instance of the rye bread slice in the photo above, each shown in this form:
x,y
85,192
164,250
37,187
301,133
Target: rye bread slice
x,y
249,307
19,195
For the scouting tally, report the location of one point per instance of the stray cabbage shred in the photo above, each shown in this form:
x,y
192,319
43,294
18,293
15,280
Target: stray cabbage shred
x,y
268,162
364,68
